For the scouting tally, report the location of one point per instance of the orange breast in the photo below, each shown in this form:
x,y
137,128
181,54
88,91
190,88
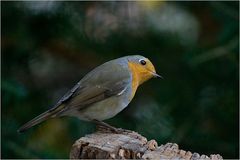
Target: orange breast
x,y
140,74
135,81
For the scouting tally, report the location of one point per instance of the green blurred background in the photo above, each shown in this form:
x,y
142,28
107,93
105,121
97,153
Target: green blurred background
x,y
49,46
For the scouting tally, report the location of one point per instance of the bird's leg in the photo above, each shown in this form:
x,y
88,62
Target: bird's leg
x,y
101,124
106,127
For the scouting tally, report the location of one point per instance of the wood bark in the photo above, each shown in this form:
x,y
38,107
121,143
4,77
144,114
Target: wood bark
x,y
129,145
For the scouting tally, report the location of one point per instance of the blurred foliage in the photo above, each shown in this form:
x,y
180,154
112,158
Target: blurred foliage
x,y
48,46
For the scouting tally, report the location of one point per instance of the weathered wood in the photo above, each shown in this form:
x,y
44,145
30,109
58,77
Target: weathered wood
x,y
128,145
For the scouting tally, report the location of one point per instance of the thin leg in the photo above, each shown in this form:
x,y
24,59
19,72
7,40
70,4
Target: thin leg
x,y
104,127
103,124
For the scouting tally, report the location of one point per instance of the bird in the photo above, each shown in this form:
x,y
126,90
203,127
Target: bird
x,y
102,93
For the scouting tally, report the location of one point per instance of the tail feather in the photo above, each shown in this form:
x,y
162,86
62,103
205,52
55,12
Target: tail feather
x,y
42,117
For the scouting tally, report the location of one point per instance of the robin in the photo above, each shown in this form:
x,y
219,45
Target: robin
x,y
102,93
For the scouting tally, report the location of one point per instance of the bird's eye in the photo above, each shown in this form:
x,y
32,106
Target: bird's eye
x,y
143,62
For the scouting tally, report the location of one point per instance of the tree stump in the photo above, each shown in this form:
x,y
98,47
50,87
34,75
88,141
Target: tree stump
x,y
128,145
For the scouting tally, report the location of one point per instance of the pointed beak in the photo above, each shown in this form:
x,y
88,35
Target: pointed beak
x,y
157,75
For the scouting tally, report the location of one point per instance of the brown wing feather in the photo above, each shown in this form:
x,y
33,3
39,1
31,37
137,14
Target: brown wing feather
x,y
94,87
99,84
102,80
93,94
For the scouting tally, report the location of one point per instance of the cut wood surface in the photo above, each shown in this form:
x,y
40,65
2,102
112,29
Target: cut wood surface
x,y
128,145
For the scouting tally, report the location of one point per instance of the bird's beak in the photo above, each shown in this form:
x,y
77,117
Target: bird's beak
x,y
156,75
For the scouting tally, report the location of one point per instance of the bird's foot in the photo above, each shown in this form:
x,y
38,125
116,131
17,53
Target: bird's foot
x,y
106,128
122,131
130,133
102,126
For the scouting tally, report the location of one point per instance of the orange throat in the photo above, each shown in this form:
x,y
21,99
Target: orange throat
x,y
139,75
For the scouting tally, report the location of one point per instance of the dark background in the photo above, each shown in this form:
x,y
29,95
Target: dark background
x,y
49,46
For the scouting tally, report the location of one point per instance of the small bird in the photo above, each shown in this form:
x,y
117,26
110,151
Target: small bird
x,y
102,93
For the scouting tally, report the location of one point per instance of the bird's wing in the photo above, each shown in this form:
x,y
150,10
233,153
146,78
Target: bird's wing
x,y
101,83
95,93
109,79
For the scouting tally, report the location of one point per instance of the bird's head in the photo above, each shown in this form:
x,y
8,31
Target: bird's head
x,y
142,68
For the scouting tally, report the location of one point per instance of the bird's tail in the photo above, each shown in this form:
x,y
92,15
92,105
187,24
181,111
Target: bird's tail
x,y
42,117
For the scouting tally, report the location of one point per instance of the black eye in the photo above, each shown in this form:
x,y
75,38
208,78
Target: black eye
x,y
143,62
